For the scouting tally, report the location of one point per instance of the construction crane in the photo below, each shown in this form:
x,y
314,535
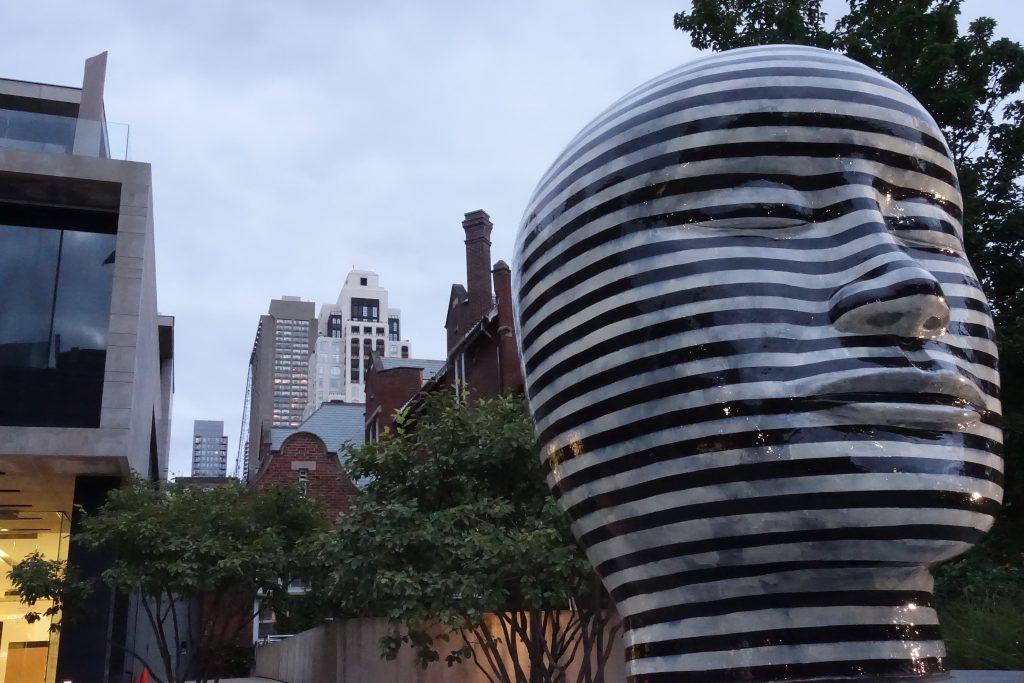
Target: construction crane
x,y
242,458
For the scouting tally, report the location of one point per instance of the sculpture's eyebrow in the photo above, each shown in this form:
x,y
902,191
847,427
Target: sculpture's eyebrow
x,y
827,98
552,223
794,120
683,186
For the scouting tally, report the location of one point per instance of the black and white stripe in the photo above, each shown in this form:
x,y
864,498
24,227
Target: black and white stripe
x,y
761,367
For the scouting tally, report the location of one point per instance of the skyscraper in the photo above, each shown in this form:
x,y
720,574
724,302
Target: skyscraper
x,y
86,362
279,367
358,323
209,449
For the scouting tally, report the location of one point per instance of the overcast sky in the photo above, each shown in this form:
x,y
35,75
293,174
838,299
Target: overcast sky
x,y
293,140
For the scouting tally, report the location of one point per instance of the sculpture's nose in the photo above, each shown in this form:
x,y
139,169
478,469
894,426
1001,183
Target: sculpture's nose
x,y
899,298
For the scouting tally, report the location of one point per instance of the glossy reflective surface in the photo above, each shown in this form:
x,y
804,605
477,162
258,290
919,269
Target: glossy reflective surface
x,y
762,368
62,134
55,289
28,651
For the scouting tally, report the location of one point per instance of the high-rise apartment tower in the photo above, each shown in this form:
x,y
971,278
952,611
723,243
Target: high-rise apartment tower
x,y
358,323
279,365
209,449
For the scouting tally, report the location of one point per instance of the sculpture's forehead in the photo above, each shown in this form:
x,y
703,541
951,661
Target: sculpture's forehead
x,y
798,117
772,94
770,80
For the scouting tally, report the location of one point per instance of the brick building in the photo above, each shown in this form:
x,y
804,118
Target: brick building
x,y
483,356
394,381
311,455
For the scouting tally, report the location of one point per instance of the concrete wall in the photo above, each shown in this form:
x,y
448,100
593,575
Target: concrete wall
x,y
132,391
348,651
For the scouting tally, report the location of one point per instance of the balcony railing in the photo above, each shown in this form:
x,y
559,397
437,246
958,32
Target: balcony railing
x,y
63,135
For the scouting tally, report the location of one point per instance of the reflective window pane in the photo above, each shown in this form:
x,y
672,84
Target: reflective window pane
x,y
55,289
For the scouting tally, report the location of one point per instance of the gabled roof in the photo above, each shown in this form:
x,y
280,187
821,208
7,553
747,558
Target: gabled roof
x,y
456,300
432,384
334,423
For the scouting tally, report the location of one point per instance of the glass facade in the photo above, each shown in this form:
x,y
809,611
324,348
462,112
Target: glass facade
x,y
28,652
209,456
37,132
55,290
291,371
55,134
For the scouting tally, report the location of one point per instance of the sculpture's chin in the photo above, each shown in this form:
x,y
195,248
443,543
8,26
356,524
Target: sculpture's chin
x,y
815,574
813,623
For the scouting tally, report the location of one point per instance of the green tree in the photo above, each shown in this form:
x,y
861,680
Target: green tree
x,y
969,82
197,560
456,522
37,579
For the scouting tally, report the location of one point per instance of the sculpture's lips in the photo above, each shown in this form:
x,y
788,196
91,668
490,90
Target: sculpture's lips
x,y
909,397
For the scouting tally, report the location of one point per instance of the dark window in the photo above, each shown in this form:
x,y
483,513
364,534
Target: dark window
x,y
405,351
393,329
55,304
355,376
365,310
362,281
380,347
334,325
367,346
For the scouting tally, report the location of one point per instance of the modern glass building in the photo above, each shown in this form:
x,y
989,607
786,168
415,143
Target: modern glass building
x,y
209,449
86,362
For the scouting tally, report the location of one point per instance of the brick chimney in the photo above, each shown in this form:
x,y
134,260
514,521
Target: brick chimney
x,y
510,372
478,264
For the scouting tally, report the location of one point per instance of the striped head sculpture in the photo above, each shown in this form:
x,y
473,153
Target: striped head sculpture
x,y
761,368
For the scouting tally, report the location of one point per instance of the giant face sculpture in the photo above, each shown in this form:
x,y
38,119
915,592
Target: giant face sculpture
x,y
762,368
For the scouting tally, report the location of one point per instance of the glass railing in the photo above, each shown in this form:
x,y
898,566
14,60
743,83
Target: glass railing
x,y
63,135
